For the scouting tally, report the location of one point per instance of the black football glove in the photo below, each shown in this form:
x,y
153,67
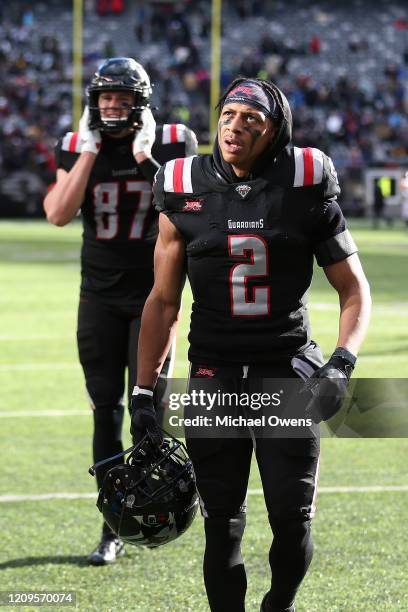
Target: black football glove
x,y
143,417
328,386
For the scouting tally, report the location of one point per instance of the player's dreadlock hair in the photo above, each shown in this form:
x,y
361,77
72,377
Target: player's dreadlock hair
x,y
283,120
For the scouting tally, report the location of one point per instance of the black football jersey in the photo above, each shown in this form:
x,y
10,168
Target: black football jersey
x,y
250,247
119,221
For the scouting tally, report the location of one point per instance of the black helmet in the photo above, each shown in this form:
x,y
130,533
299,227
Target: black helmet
x,y
152,498
119,74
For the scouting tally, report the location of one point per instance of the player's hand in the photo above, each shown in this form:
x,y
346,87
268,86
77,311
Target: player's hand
x,y
143,417
145,136
90,139
326,389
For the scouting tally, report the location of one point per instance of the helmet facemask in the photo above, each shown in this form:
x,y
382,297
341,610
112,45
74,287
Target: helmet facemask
x,y
151,499
119,74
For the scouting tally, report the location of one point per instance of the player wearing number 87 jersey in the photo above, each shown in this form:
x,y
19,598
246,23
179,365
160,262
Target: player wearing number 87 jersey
x,y
245,225
105,171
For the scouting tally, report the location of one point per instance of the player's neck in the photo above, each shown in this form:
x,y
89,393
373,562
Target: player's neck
x,y
122,134
241,173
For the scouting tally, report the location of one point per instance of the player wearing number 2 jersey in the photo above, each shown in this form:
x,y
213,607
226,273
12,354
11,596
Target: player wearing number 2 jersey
x,y
250,247
105,171
245,224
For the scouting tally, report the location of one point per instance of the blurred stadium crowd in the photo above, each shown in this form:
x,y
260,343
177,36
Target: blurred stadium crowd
x,y
343,66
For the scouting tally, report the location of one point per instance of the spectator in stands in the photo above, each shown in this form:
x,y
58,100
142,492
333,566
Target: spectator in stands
x,y
315,44
379,204
404,198
35,64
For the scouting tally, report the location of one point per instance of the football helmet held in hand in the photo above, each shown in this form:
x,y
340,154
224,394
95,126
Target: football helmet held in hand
x,y
151,499
119,74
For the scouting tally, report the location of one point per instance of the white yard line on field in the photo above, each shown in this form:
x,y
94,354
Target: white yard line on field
x,y
345,489
9,414
4,499
32,337
38,366
392,307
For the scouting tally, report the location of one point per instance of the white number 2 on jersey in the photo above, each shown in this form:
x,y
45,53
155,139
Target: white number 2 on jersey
x,y
106,202
254,249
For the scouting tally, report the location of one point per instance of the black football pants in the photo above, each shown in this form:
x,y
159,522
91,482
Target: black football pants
x,y
288,469
107,343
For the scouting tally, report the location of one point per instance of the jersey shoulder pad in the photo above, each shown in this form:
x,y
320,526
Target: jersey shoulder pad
x,y
173,180
312,167
169,133
176,136
67,150
71,142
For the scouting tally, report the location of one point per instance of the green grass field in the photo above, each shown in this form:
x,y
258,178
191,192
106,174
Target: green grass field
x,y
360,534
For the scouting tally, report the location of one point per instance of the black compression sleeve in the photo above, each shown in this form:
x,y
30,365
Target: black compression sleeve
x,y
149,167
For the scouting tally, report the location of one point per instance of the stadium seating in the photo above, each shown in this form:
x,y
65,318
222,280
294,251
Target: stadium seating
x,y
343,66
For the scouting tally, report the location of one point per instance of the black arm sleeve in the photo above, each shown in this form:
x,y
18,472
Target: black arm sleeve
x,y
158,190
149,167
64,159
332,240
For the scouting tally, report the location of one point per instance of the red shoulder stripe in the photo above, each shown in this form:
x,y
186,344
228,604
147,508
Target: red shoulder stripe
x,y
308,166
178,175
73,142
173,133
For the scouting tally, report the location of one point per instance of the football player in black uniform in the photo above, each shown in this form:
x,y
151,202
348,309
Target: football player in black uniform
x,y
106,170
244,224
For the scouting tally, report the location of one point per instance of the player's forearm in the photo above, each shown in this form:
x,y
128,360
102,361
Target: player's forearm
x,y
65,199
147,165
158,327
355,311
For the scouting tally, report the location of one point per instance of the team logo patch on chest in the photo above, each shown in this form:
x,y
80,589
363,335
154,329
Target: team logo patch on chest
x,y
243,190
193,205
